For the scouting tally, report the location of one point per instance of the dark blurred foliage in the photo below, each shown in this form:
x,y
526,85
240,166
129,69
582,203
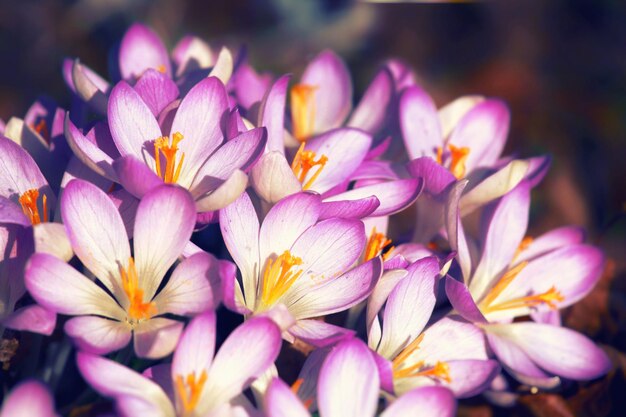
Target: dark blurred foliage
x,y
561,66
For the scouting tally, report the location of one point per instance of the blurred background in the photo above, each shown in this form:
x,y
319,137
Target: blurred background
x,y
560,65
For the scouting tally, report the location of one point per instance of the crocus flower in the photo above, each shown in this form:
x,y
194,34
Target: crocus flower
x,y
23,185
449,352
191,152
512,276
324,163
106,320
141,50
295,260
195,384
29,399
348,385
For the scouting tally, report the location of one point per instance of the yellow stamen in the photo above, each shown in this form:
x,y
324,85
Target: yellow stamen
x,y
137,309
163,146
188,390
524,244
550,297
28,201
407,351
458,158
303,111
302,164
42,128
440,371
278,277
375,245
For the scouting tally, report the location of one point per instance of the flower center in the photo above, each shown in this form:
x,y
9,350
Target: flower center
x,y
440,371
168,149
550,297
278,277
28,201
458,158
303,110
302,164
41,127
137,309
189,389
375,245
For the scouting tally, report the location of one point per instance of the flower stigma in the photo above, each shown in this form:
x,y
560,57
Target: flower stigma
x,y
303,111
440,371
189,389
28,201
302,164
458,158
163,146
137,309
376,243
550,297
278,277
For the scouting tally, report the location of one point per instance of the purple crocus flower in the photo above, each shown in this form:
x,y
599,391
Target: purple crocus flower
x,y
190,151
295,260
325,163
29,399
196,383
449,352
511,276
348,385
106,320
142,51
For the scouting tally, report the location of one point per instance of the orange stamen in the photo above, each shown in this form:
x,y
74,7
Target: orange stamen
x,y
441,371
524,244
303,111
302,164
137,309
42,128
375,245
278,277
161,68
163,146
550,297
28,201
407,351
458,158
188,390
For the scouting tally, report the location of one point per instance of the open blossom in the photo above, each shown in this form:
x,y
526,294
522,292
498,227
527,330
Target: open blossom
x,y
295,260
512,277
106,320
29,399
195,384
188,150
348,386
449,352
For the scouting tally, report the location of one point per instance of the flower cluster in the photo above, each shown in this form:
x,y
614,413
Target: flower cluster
x,y
343,233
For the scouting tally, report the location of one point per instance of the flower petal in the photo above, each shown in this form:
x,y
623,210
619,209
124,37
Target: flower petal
x,y
272,114
135,176
192,53
552,240
272,178
159,243
349,209
96,232
19,173
423,401
451,114
133,126
58,287
318,333
33,318
89,152
333,96
462,301
90,86
52,238
348,381
98,335
156,338
140,50
371,112
196,347
239,362
280,401
29,399
224,192
193,287
198,119
156,89
419,123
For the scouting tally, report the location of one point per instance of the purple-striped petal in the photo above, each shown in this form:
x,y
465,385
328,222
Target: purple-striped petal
x,y
157,90
163,226
196,347
224,192
348,381
193,287
190,54
437,179
198,119
349,209
471,377
33,318
425,402
20,173
156,338
419,122
462,301
89,152
90,86
280,401
371,112
135,176
552,240
451,114
318,333
272,178
140,50
333,94
272,114
98,335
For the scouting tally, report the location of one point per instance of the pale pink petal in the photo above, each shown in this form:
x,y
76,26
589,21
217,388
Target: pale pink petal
x,y
142,49
156,338
196,347
98,335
